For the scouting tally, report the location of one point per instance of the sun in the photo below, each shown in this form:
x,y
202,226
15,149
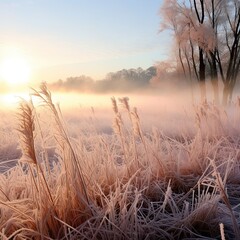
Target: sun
x,y
15,70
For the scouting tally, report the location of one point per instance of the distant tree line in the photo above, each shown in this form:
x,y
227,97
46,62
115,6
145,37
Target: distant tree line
x,y
125,80
207,41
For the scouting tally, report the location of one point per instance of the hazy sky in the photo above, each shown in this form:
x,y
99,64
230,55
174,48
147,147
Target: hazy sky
x,y
62,38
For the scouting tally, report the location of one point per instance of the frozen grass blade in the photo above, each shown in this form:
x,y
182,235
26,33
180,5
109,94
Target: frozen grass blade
x,y
221,187
45,96
222,231
27,131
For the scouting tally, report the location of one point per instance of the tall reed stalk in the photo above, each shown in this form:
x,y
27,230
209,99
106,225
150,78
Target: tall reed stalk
x,y
45,95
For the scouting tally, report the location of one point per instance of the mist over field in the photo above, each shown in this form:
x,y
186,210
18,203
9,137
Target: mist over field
x,y
169,110
171,113
162,108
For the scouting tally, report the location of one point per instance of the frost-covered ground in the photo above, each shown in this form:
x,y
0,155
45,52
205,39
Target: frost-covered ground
x,y
168,170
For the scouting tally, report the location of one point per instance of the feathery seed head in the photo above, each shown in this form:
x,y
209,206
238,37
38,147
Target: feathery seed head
x,y
114,104
26,130
125,103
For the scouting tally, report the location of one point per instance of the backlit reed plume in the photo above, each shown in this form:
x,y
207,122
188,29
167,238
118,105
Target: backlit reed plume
x,y
45,96
26,128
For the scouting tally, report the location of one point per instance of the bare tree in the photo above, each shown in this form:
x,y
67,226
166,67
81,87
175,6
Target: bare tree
x,y
187,22
229,56
214,13
208,35
200,13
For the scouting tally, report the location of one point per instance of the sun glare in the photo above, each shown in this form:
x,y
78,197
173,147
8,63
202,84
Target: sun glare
x,y
15,70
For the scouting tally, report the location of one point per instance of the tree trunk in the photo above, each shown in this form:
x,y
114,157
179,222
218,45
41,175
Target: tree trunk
x,y
190,75
215,91
203,91
202,76
214,77
231,92
227,94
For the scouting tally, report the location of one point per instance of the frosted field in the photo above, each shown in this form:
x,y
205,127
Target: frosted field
x,y
168,170
94,114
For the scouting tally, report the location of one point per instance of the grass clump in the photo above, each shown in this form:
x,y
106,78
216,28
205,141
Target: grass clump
x,y
127,185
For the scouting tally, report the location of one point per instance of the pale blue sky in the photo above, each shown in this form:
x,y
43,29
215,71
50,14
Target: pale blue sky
x,y
62,38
